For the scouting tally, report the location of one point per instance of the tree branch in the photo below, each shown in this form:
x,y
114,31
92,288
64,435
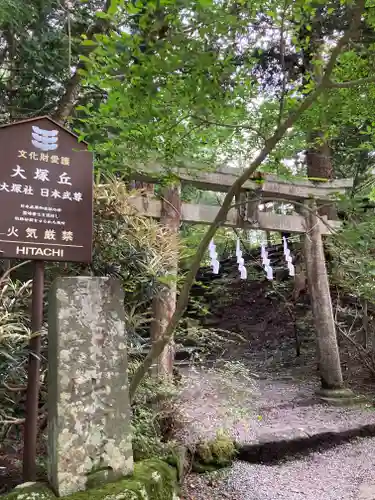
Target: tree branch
x,y
241,126
11,269
361,350
159,345
294,202
15,389
351,83
68,100
282,60
358,10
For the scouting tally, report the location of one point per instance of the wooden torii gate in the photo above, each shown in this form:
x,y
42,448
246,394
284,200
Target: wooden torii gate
x,y
305,196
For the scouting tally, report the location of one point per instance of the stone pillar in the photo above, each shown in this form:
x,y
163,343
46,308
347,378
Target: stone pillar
x,y
321,304
88,402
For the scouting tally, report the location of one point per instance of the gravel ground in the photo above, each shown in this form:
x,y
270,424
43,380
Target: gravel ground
x,y
259,409
256,410
346,472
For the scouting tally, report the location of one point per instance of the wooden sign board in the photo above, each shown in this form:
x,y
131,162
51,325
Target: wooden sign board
x,y
46,193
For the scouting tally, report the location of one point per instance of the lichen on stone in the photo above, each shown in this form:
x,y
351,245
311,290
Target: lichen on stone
x,y
89,414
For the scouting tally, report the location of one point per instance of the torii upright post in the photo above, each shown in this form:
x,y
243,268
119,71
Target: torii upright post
x,y
321,303
164,304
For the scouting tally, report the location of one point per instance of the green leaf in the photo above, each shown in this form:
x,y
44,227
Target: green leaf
x,y
113,7
102,15
88,43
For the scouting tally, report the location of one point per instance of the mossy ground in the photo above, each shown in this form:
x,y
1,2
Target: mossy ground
x,y
35,492
152,480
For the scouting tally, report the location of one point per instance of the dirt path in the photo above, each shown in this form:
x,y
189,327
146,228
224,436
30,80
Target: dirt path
x,y
260,410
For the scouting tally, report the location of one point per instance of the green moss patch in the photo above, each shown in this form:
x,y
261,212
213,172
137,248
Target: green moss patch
x,y
215,454
34,492
152,480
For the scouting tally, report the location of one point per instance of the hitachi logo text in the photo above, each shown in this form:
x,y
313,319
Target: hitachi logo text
x,y
44,252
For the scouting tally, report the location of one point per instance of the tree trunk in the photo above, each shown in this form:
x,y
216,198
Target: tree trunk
x,y
319,160
68,101
164,305
319,166
327,348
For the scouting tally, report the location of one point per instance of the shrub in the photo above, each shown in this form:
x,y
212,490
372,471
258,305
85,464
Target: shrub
x,y
134,249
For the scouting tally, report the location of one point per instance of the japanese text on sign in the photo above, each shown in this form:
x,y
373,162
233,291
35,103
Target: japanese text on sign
x,y
42,175
49,192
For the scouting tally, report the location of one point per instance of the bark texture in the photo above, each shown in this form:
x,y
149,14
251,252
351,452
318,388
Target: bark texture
x,y
319,166
72,88
164,305
327,348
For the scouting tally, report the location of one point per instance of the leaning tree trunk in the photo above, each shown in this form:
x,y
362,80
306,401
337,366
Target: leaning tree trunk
x,y
164,304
